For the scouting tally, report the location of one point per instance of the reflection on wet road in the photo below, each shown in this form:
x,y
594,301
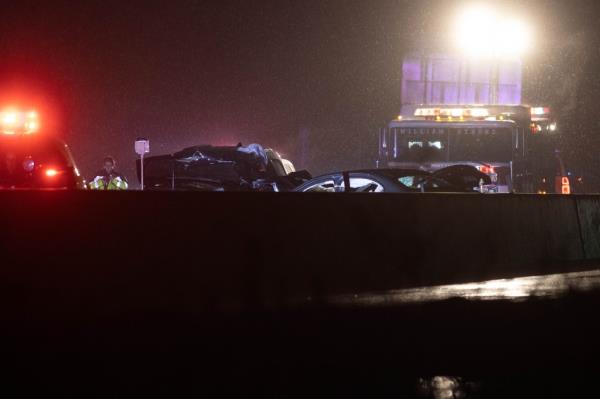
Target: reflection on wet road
x,y
548,286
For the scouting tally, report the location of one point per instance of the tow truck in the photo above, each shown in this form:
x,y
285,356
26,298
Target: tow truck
x,y
32,159
503,142
444,121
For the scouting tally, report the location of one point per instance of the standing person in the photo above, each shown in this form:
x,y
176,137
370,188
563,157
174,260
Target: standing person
x,y
108,178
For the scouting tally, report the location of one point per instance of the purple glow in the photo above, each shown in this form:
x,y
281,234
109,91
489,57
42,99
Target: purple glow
x,y
442,79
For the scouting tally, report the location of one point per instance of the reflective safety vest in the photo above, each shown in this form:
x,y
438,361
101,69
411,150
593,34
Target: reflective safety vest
x,y
115,184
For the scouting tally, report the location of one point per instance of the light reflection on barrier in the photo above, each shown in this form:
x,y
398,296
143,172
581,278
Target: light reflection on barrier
x,y
548,286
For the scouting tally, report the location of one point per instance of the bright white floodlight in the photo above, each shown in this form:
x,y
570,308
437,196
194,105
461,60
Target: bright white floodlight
x,y
481,32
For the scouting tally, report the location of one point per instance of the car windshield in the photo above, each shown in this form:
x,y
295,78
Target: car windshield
x,y
410,181
416,182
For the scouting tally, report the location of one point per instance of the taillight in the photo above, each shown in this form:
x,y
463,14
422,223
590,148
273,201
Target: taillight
x,y
486,169
50,172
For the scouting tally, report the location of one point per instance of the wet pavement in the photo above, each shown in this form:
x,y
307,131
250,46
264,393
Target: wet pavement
x,y
546,286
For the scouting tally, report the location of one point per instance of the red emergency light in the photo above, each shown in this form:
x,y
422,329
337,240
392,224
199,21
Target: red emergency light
x,y
18,122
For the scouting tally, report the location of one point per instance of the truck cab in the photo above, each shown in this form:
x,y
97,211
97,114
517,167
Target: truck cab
x,y
457,111
500,141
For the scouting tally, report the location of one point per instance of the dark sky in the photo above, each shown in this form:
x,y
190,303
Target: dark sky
x,y
191,72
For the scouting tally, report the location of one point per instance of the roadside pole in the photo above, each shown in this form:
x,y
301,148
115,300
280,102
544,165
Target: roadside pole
x,y
142,146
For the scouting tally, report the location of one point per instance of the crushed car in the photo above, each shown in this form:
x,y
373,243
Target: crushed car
x,y
221,168
453,179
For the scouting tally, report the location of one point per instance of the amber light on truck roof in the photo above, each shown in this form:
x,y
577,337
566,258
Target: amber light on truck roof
x,y
17,122
453,112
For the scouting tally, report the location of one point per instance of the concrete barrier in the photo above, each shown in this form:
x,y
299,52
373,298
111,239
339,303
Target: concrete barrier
x,y
191,251
588,212
105,294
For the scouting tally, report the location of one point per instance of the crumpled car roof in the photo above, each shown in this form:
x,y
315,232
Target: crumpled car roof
x,y
231,167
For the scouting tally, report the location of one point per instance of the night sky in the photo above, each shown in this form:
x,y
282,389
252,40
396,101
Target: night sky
x,y
194,72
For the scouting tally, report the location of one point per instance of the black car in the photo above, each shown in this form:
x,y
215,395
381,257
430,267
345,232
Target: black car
x,y
221,168
458,178
37,161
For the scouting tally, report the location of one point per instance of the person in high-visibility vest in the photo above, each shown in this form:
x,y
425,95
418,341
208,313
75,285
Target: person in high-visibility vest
x,y
108,178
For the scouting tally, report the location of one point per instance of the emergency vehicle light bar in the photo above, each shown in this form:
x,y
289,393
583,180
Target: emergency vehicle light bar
x,y
13,122
453,112
539,111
